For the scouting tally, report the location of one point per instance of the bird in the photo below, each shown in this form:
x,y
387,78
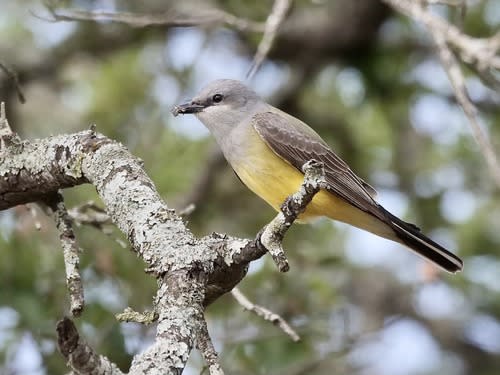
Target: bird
x,y
267,147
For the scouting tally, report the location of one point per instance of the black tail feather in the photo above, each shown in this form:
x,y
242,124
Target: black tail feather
x,y
411,236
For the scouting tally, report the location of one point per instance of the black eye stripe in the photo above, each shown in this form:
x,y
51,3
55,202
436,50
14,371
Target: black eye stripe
x,y
217,98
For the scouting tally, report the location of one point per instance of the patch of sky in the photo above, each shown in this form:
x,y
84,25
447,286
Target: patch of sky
x,y
104,291
458,206
47,34
7,224
27,358
350,87
432,182
430,73
483,270
406,346
440,301
135,340
9,318
484,332
434,116
492,12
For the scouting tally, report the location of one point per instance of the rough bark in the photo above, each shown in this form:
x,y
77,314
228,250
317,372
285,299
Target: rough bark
x,y
192,272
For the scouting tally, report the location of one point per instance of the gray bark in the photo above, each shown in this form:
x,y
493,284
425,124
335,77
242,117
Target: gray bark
x,y
192,272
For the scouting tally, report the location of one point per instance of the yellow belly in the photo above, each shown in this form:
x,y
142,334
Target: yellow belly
x,y
273,179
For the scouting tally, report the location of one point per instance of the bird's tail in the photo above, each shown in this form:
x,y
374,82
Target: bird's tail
x,y
410,235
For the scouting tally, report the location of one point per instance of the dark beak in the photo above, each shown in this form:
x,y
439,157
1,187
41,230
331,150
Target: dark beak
x,y
186,108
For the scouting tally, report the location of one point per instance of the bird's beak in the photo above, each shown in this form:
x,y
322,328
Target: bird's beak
x,y
186,108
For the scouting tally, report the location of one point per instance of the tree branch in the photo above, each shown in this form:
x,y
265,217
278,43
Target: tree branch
x,y
274,232
264,313
206,347
274,20
70,250
79,355
192,272
483,53
194,16
5,130
179,303
457,80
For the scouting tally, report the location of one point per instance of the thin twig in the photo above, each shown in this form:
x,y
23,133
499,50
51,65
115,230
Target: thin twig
x,y
453,3
273,22
79,355
208,352
89,214
188,210
4,123
456,78
273,234
265,314
269,239
129,315
70,251
236,253
7,137
480,52
175,17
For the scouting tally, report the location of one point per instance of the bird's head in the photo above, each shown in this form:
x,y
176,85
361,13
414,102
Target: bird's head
x,y
221,104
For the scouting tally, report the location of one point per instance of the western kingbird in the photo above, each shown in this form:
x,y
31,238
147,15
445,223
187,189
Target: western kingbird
x,y
267,148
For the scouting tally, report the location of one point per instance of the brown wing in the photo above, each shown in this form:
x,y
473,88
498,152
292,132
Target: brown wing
x,y
296,143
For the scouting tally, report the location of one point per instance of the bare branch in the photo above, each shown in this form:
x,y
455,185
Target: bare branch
x,y
79,355
8,139
89,214
265,314
481,52
454,3
188,210
206,347
129,315
272,236
273,22
70,250
173,17
4,123
237,251
456,77
157,235
180,320
192,272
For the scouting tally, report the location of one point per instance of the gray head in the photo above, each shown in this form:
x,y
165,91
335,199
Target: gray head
x,y
221,105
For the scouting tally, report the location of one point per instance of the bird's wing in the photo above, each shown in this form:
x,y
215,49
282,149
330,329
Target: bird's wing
x,y
296,143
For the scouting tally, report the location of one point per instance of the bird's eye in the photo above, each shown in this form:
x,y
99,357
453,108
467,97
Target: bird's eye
x,y
217,98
